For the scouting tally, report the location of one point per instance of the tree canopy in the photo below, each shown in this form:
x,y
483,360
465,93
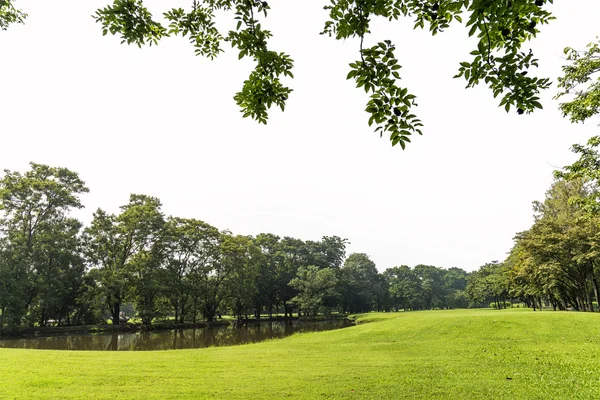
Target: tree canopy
x,y
501,28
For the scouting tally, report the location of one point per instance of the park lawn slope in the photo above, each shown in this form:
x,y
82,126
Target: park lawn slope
x,y
459,354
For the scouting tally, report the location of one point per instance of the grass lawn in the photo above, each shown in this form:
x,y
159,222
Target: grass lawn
x,y
458,354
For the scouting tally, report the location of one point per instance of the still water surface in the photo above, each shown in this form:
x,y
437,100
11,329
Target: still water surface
x,y
174,339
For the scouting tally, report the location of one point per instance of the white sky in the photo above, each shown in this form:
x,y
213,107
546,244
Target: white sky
x,y
163,122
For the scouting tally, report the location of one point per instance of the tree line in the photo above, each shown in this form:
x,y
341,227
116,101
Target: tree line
x,y
53,268
556,262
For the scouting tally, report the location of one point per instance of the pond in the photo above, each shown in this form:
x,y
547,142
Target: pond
x,y
175,339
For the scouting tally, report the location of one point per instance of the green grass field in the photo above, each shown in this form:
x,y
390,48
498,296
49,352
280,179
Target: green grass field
x,y
462,354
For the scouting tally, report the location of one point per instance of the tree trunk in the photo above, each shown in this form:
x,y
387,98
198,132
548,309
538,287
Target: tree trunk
x,y
176,310
596,291
195,309
182,308
116,311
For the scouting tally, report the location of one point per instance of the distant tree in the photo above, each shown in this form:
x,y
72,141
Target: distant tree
x,y
404,288
192,249
455,283
329,252
244,259
232,276
432,285
360,282
314,284
269,272
488,283
295,255
123,250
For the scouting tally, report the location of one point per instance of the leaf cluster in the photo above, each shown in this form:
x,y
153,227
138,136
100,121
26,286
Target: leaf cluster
x,y
581,80
390,105
10,15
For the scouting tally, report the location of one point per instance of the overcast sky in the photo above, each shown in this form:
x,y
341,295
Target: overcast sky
x,y
163,122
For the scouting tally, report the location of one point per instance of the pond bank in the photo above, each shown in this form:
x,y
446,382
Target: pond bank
x,y
213,335
34,331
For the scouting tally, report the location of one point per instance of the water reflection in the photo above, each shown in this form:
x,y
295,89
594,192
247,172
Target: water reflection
x,y
175,339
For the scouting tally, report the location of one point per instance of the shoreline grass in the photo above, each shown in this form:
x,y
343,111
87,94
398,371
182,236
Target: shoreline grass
x,y
456,354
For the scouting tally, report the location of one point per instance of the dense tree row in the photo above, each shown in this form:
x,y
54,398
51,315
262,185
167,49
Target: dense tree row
x,y
54,268
556,262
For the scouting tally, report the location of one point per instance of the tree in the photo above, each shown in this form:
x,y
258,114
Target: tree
x,y
329,252
191,251
244,259
501,27
144,218
404,288
313,285
432,285
58,274
488,283
360,283
581,82
231,274
455,283
123,250
38,242
556,260
295,255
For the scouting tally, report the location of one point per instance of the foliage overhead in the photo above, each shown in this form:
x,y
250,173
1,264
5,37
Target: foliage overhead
x,y
501,27
581,84
581,80
10,15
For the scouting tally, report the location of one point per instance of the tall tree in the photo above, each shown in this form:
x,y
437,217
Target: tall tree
x,y
192,248
143,217
38,239
270,271
360,282
555,258
244,259
122,249
231,274
295,255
